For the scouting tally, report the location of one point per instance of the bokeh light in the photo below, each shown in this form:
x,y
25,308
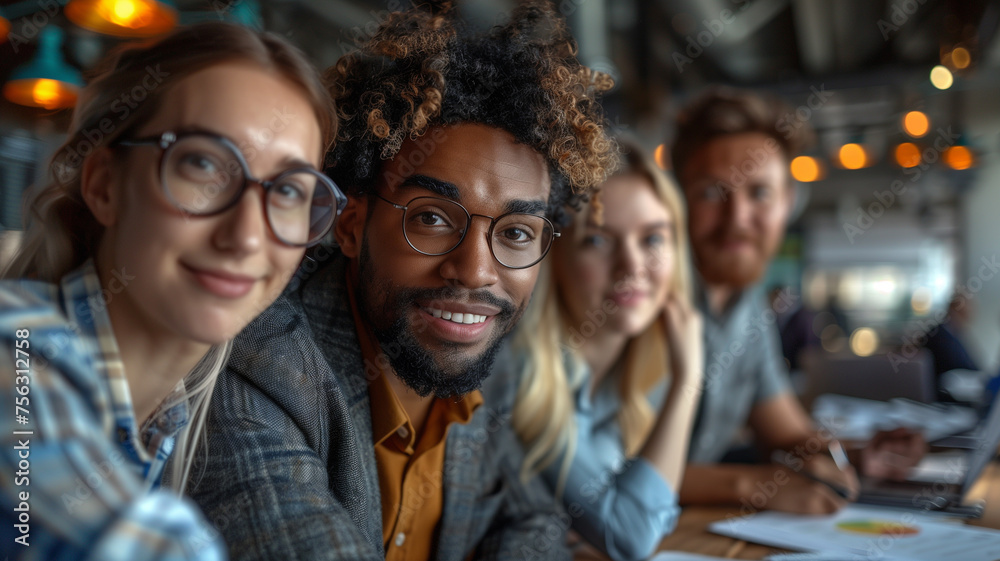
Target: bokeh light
x,y
805,169
864,341
960,57
853,156
662,157
916,124
941,77
907,155
958,157
920,301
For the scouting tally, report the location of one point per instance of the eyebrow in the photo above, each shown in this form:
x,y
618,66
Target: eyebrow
x,y
286,163
451,191
436,186
526,206
662,224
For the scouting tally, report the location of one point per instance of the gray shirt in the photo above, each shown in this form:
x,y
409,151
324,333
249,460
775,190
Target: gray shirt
x,y
743,368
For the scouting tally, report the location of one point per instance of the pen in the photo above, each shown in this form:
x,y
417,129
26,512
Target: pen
x,y
778,457
838,455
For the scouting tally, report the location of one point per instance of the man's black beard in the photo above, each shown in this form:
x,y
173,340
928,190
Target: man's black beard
x,y
413,364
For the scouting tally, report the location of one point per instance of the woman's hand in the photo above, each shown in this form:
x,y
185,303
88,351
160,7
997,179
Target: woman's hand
x,y
683,325
667,443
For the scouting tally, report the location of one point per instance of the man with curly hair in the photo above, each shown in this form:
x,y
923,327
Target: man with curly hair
x,y
348,424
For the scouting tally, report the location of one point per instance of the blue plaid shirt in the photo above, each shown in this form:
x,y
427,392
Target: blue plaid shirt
x,y
78,477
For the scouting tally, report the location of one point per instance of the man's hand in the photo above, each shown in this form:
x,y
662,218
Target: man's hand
x,y
891,454
789,491
823,467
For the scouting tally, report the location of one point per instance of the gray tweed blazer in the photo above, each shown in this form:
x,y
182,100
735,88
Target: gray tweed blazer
x,y
289,469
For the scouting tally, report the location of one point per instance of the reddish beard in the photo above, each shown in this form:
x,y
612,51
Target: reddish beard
x,y
737,270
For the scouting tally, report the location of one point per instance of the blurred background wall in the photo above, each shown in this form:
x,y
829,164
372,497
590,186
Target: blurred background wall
x,y
900,199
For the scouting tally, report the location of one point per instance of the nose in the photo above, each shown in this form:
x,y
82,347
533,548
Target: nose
x,y
629,260
471,264
243,229
739,210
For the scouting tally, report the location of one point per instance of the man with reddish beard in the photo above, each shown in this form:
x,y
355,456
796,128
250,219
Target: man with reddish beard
x,y
731,156
348,423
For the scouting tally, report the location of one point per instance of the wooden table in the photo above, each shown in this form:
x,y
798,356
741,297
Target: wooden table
x,y
693,536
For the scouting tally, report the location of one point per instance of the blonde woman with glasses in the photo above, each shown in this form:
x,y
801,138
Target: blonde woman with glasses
x,y
180,206
610,362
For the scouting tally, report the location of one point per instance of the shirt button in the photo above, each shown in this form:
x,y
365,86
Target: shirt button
x,y
403,433
400,538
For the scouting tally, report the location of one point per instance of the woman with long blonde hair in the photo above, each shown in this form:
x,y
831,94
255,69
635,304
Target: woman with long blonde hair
x,y
179,207
610,359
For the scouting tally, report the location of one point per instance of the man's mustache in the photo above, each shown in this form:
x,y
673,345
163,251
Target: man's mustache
x,y
452,294
729,236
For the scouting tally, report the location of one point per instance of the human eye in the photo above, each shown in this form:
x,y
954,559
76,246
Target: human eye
x,y
518,234
595,240
198,165
713,192
761,193
655,240
429,218
289,194
432,219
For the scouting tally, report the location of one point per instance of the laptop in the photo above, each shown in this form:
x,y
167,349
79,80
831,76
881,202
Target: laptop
x,y
877,377
945,493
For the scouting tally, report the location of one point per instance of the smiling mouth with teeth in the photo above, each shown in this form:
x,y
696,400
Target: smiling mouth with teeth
x,y
456,317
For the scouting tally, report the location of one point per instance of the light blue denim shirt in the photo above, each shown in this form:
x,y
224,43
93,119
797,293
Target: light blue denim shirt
x,y
622,506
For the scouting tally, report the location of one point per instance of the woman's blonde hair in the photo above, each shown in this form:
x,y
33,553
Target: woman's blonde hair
x,y
543,413
125,92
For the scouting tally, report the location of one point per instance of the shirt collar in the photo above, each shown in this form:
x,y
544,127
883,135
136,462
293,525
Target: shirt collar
x,y
392,417
85,304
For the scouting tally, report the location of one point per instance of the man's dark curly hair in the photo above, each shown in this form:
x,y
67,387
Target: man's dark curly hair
x,y
419,70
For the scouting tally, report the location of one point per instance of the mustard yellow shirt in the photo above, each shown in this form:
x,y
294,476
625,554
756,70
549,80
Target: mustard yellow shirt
x,y
410,459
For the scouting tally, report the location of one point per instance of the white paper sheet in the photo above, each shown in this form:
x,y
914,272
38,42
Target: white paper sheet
x,y
683,556
872,532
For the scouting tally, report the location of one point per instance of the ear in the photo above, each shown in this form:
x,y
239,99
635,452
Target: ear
x,y
98,186
350,227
